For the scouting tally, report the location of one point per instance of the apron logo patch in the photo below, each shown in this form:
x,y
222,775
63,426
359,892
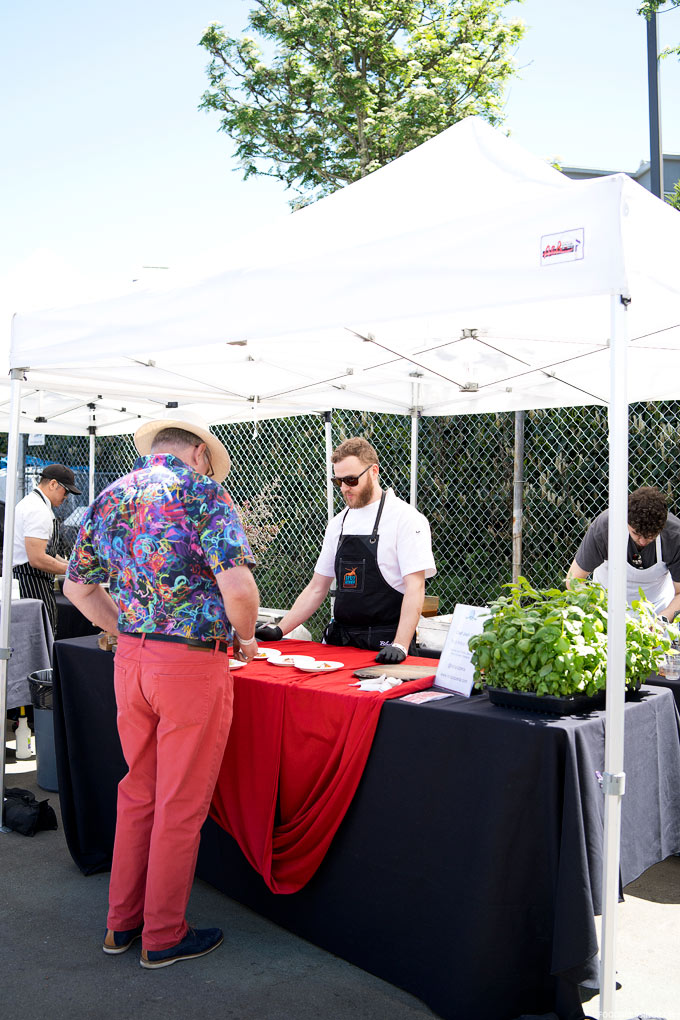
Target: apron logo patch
x,y
349,580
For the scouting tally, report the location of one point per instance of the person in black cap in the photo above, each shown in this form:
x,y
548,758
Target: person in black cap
x,y
35,558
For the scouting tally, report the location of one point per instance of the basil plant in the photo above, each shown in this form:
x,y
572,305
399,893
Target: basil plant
x,y
554,641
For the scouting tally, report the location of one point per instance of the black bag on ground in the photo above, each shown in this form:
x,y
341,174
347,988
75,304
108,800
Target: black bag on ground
x,y
23,813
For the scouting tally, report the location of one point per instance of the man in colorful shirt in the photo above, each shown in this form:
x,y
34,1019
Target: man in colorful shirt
x,y
168,542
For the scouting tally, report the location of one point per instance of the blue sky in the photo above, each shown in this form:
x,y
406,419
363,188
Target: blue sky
x,y
109,166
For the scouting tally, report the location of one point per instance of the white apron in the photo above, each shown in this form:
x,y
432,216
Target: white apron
x,y
655,581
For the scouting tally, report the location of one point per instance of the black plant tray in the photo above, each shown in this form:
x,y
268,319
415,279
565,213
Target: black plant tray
x,y
546,704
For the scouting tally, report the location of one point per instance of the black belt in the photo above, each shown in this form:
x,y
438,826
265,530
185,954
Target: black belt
x,y
176,639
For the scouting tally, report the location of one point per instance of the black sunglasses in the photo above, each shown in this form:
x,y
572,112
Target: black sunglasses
x,y
350,480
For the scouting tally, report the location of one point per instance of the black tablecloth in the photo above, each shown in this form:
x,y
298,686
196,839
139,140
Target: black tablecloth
x,y
468,867
70,621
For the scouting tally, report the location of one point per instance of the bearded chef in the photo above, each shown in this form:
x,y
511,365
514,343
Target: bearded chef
x,y
379,551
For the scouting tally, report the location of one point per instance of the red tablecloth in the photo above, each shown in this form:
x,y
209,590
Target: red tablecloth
x,y
296,752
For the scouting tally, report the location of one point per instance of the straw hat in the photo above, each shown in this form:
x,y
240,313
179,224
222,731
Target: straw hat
x,y
190,422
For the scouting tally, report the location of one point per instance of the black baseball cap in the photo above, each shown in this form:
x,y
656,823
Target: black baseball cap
x,y
63,475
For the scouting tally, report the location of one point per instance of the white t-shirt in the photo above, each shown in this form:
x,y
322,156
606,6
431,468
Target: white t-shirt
x,y
404,540
33,518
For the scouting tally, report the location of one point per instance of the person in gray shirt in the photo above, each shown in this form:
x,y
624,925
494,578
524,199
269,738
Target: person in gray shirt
x,y
653,557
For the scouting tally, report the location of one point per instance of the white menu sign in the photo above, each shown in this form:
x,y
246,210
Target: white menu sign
x,y
455,671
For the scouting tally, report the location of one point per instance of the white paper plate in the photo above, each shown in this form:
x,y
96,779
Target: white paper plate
x,y
292,660
266,653
236,664
322,666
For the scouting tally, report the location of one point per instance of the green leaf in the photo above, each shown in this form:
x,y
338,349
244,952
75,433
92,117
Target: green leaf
x,y
346,88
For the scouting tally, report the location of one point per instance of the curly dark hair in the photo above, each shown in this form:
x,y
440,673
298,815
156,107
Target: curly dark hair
x,y
647,511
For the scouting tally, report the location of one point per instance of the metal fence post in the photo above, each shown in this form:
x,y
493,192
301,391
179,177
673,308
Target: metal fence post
x,y
518,495
329,467
21,474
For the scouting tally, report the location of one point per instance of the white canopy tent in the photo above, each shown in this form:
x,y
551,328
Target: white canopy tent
x,y
467,276
449,238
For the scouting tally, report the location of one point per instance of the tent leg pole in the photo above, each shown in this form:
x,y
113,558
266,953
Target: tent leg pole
x,y
614,777
416,412
413,493
91,467
16,376
92,429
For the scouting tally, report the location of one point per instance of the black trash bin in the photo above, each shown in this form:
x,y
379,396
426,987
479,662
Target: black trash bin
x,y
40,686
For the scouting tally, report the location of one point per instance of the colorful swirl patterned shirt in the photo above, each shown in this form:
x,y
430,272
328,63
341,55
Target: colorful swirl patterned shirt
x,y
159,535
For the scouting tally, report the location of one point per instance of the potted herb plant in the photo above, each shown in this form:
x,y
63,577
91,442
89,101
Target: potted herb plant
x,y
552,645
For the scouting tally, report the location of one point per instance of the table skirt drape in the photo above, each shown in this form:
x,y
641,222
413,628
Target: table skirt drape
x,y
295,756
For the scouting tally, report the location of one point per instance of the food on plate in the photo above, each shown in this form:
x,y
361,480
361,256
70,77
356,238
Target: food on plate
x,y
267,653
319,666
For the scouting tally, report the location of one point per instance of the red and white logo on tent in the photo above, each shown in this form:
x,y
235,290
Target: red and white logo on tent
x,y
566,246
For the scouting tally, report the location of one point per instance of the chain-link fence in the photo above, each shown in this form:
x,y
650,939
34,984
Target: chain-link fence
x,y
465,488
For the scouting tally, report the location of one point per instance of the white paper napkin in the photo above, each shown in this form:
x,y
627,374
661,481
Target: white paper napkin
x,y
377,683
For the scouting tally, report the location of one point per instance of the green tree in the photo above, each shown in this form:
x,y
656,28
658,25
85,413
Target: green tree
x,y
674,197
352,84
648,8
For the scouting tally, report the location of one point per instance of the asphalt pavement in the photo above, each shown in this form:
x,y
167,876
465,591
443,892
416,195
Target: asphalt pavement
x,y
52,921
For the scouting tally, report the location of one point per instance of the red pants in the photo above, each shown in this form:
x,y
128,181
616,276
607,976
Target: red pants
x,y
174,713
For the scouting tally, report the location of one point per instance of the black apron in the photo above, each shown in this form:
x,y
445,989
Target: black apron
x,y
37,584
367,608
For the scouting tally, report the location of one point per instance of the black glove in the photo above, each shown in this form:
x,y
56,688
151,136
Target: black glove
x,y
391,655
267,633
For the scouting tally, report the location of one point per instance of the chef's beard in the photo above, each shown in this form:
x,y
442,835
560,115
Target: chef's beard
x,y
364,497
